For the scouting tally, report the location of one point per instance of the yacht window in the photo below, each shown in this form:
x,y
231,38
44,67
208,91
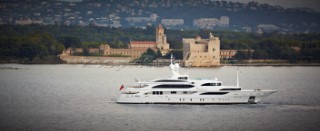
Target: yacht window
x,y
157,92
185,92
173,92
170,81
209,84
230,89
214,93
183,78
173,86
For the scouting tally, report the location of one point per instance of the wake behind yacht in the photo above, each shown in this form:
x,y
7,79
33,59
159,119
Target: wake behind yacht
x,y
180,89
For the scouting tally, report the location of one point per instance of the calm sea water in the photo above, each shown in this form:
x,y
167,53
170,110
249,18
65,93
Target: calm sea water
x,y
82,97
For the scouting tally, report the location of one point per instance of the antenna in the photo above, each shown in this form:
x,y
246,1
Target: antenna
x,y
238,77
171,58
171,66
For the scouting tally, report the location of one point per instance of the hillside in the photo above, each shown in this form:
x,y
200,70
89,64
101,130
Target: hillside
x,y
29,43
248,17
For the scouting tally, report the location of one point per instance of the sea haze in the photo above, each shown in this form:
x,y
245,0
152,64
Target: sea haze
x,y
82,97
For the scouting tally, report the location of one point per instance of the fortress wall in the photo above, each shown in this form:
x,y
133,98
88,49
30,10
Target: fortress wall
x,y
95,60
201,52
198,48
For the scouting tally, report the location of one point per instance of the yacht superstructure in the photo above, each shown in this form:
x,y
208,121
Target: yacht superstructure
x,y
180,89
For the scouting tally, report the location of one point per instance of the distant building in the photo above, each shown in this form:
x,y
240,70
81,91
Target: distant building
x,y
154,17
198,52
210,23
172,22
142,44
135,48
115,23
28,22
224,21
161,40
106,50
134,53
141,22
267,28
80,50
247,29
104,22
23,22
205,23
151,18
227,54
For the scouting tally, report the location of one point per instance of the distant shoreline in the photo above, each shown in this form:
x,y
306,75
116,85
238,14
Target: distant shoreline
x,y
133,64
274,64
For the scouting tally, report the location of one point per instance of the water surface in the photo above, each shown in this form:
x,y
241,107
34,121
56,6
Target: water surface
x,y
82,97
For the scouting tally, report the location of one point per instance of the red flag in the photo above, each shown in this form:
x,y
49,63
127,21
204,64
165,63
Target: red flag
x,y
121,87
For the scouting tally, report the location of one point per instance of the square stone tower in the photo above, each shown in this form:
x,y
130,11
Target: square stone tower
x,y
198,52
161,40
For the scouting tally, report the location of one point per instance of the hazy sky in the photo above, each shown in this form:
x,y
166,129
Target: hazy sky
x,y
314,4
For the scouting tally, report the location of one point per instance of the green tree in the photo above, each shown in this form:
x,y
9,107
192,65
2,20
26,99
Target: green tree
x,y
148,56
243,55
69,41
158,54
260,54
146,59
177,54
119,44
86,51
151,53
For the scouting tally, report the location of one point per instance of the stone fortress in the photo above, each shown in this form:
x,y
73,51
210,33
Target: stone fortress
x,y
198,52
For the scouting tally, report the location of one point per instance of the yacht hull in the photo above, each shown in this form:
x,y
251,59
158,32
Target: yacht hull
x,y
233,97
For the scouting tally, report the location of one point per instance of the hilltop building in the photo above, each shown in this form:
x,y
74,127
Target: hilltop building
x,y
210,23
224,21
172,22
267,28
141,21
151,18
200,52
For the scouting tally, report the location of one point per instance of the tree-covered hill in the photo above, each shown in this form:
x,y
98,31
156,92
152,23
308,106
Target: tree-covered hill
x,y
34,42
36,47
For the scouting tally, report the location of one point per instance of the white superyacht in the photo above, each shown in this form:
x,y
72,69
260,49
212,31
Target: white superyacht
x,y
180,89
